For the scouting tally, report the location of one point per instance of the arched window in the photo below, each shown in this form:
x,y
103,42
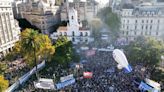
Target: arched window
x,y
73,33
60,33
86,34
81,34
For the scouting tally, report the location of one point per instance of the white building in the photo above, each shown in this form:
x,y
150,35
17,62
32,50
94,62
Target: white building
x,y
74,30
43,14
16,4
9,30
146,19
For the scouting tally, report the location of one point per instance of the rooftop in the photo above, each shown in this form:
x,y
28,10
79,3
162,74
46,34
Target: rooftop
x,y
128,6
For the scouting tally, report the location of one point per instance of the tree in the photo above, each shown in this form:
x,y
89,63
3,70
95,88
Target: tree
x,y
3,68
34,46
64,51
3,84
145,50
112,20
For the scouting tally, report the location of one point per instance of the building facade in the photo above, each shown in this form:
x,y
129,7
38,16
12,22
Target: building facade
x,y
74,30
9,29
44,14
86,9
146,19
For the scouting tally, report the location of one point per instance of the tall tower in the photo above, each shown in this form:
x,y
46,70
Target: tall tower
x,y
9,30
73,20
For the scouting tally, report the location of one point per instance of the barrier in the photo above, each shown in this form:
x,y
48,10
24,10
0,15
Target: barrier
x,y
25,77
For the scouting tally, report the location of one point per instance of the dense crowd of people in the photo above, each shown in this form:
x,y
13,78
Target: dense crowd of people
x,y
106,76
15,70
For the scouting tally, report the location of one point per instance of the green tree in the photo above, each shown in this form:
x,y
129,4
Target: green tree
x,y
34,46
112,20
146,51
3,84
3,68
64,51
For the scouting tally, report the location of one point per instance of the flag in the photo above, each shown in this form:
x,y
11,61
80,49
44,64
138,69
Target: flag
x,y
90,53
87,74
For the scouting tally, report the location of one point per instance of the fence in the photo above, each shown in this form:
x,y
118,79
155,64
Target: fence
x,y
25,77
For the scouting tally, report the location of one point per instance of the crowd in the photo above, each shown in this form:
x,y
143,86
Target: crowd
x,y
16,69
106,76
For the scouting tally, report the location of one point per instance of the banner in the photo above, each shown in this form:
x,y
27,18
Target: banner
x,y
66,78
90,53
70,1
143,86
83,0
66,83
44,84
87,74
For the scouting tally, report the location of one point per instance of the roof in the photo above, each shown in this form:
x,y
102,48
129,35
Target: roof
x,y
83,29
128,6
160,0
62,28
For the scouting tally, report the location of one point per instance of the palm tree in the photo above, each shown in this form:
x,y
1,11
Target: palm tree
x,y
31,44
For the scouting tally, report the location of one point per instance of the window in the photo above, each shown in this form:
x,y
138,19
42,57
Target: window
x,y
142,27
73,33
151,21
158,21
127,21
127,27
86,34
135,33
142,21
81,34
136,21
135,27
123,32
127,33
146,27
72,17
147,21
156,33
73,39
150,27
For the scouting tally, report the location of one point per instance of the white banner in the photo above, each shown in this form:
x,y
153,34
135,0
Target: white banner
x,y
83,0
70,1
44,84
69,77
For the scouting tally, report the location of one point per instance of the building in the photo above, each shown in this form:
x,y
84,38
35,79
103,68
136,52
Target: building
x,y
87,9
44,14
74,30
146,19
16,4
9,30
